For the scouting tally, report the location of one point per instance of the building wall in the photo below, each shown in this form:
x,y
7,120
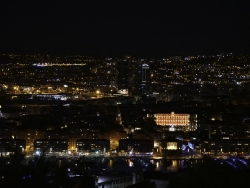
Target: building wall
x,y
176,122
226,147
170,147
117,183
160,183
30,135
145,79
114,138
142,75
93,145
122,68
136,145
12,146
44,146
156,137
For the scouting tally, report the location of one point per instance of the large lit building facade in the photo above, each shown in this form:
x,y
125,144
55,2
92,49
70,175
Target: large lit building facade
x,y
176,122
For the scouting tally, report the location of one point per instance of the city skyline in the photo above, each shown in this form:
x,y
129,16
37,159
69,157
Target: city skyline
x,y
125,94
120,28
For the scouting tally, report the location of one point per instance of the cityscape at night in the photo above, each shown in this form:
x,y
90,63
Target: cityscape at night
x,y
122,94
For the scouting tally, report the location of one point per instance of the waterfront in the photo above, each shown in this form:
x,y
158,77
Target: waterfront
x,y
161,164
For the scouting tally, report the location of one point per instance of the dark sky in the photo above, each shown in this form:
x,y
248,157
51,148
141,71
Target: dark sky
x,y
149,28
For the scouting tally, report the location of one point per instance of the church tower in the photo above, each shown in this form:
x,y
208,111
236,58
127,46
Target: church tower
x,y
118,118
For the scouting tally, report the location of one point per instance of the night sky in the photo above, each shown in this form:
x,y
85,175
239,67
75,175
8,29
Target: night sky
x,y
113,28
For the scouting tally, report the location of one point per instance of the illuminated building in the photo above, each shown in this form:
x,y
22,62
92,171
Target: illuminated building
x,y
30,135
226,146
176,122
169,147
117,180
136,146
50,146
93,146
145,79
11,146
114,137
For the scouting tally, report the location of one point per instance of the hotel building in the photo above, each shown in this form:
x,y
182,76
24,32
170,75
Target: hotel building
x,y
176,122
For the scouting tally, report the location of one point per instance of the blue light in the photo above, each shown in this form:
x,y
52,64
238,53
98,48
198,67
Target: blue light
x,y
231,164
242,161
183,147
190,145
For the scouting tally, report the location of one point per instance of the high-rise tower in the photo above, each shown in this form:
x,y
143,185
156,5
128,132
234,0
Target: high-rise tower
x,y
143,79
122,68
